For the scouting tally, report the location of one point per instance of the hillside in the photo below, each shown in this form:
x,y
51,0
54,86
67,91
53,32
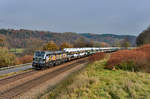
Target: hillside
x,y
110,38
24,38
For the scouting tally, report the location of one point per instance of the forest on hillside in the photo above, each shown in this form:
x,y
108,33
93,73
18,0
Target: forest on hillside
x,y
24,38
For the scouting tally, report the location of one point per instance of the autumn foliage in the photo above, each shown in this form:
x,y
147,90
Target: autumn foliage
x,y
97,56
6,58
24,59
104,44
51,46
65,45
135,60
145,48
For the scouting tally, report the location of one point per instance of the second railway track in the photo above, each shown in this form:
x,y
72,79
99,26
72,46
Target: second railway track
x,y
21,88
15,77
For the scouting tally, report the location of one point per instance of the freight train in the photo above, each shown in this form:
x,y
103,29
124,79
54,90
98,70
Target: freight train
x,y
45,59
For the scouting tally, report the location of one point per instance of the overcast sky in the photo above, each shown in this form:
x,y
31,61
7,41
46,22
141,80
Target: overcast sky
x,y
92,16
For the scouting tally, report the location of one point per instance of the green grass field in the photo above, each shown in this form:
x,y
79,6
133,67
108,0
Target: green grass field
x,y
17,50
95,82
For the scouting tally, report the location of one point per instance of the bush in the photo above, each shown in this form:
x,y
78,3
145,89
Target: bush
x,y
6,58
128,65
18,61
133,60
9,59
24,59
145,48
97,56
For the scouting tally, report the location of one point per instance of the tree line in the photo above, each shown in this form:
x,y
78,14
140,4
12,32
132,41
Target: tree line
x,y
144,37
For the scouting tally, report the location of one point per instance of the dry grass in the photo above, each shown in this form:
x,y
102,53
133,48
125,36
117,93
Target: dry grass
x,y
24,59
97,56
95,82
145,48
134,60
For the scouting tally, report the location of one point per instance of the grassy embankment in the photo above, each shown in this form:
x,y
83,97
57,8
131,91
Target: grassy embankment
x,y
95,82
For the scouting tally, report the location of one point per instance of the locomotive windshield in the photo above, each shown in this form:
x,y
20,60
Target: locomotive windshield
x,y
39,54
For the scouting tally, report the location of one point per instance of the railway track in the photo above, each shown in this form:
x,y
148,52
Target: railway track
x,y
21,88
16,77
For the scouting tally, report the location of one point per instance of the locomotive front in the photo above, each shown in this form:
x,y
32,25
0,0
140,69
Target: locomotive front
x,y
39,59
